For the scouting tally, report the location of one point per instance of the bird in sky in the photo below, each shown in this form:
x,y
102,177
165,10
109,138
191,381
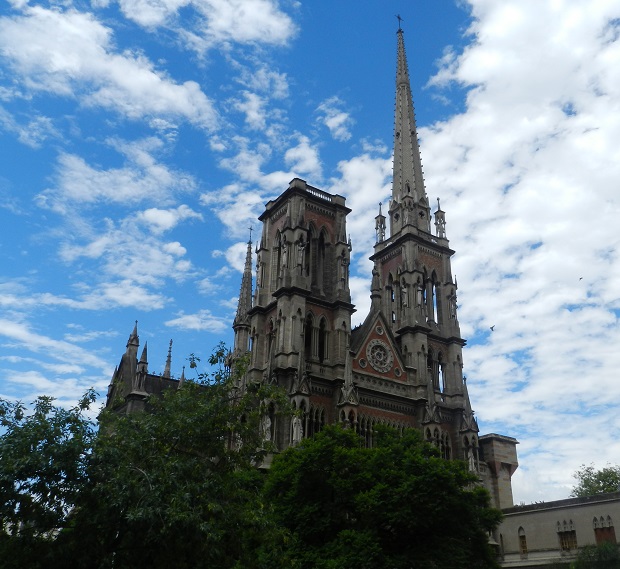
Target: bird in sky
x,y
492,327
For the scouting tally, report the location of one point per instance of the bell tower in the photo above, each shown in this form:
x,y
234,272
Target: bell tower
x,y
403,365
416,289
300,318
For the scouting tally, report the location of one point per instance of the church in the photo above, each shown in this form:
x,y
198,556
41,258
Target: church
x,y
403,366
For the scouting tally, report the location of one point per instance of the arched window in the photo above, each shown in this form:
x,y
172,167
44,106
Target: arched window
x,y
251,343
353,419
366,427
276,260
270,338
446,451
321,260
441,380
567,535
323,341
522,543
308,334
316,420
432,366
604,530
433,313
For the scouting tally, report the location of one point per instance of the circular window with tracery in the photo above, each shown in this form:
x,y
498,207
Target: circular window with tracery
x,y
379,355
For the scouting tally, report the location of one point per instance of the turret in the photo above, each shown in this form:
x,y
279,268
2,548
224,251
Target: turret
x,y
166,373
241,324
380,226
409,206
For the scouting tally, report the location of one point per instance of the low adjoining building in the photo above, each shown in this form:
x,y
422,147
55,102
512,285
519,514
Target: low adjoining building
x,y
538,535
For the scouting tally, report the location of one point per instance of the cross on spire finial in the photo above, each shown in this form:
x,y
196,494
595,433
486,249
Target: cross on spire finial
x,y
399,21
251,229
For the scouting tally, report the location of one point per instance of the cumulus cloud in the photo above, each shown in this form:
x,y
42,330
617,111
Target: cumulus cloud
x,y
528,175
32,133
71,54
238,21
304,160
161,220
22,334
253,106
141,178
265,80
131,258
203,320
365,180
338,122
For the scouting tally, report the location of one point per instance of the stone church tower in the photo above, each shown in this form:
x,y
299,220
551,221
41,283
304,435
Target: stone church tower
x,y
403,366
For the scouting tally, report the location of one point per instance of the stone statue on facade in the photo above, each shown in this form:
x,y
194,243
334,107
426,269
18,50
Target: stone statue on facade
x,y
298,430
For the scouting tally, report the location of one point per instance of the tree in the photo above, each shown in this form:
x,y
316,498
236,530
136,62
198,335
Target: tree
x,y
178,486
175,486
591,481
396,505
603,556
44,459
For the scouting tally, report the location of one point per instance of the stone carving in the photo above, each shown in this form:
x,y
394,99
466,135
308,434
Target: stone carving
x,y
265,428
298,430
379,355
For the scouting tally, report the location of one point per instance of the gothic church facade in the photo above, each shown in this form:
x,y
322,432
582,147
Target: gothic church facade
x,y
402,366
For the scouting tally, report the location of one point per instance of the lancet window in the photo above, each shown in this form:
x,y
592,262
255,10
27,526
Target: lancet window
x,y
522,542
604,530
323,350
567,535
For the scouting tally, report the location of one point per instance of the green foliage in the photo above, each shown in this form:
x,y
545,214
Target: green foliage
x,y
178,486
44,460
603,556
396,505
591,481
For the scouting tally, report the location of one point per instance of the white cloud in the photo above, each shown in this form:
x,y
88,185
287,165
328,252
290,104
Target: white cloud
x,y
236,254
71,54
253,106
238,207
203,320
335,119
238,21
265,80
364,180
161,220
528,176
131,259
141,178
214,21
35,132
61,351
304,160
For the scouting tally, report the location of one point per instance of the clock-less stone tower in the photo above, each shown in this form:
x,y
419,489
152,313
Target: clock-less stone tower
x,y
403,366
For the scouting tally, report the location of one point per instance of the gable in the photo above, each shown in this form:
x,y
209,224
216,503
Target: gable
x,y
376,352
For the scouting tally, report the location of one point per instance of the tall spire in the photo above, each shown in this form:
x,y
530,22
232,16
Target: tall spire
x,y
241,323
143,363
245,294
168,362
407,178
133,340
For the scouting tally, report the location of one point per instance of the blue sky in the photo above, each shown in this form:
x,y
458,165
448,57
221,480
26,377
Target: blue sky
x,y
139,140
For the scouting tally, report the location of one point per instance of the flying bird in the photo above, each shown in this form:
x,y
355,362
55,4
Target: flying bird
x,y
492,328
580,278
